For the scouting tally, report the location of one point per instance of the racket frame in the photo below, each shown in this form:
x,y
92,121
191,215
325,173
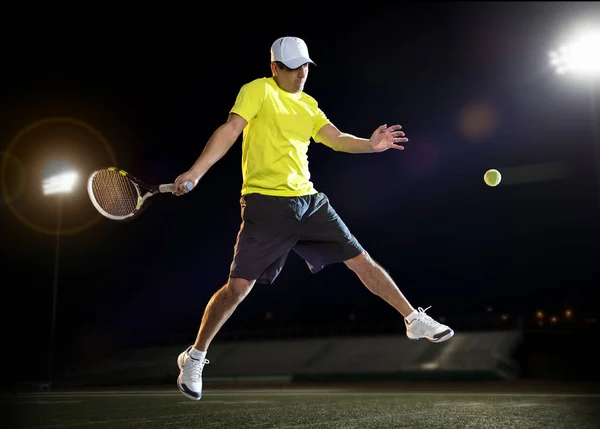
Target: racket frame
x,y
139,185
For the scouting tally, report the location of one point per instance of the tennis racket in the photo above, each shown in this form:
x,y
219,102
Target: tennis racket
x,y
119,196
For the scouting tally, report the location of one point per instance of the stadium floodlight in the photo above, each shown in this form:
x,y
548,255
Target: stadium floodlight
x,y
580,57
57,184
62,183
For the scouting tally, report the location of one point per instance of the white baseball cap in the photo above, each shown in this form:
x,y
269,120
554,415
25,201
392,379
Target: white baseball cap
x,y
291,51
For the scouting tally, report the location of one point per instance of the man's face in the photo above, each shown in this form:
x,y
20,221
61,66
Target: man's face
x,y
291,80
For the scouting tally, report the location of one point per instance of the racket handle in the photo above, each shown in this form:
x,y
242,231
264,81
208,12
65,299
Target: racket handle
x,y
170,187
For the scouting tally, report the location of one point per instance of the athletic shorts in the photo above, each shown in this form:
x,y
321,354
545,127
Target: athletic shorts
x,y
273,226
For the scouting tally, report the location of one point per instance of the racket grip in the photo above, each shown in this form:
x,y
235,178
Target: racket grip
x,y
170,187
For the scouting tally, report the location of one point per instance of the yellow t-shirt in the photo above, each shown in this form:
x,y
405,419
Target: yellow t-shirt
x,y
275,141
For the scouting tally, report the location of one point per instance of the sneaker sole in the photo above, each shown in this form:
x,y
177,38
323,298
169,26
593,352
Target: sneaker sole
x,y
442,339
179,385
434,340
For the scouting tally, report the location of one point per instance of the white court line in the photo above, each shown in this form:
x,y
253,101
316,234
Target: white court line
x,y
301,392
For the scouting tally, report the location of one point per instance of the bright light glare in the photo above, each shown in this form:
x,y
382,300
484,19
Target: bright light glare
x,y
60,184
581,57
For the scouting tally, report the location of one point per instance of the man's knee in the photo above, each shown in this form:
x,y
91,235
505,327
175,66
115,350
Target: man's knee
x,y
360,263
239,287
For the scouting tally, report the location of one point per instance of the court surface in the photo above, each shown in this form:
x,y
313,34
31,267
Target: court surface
x,y
446,406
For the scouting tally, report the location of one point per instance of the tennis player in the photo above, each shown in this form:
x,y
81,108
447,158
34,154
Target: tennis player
x,y
281,210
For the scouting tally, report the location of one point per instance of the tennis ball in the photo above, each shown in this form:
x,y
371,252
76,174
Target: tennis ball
x,y
492,177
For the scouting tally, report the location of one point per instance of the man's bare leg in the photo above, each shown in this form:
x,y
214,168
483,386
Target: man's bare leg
x,y
378,281
220,307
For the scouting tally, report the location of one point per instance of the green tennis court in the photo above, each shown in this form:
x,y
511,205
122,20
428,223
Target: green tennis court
x,y
442,406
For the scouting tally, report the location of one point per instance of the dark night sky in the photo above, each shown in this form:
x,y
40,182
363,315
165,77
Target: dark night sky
x,y
157,87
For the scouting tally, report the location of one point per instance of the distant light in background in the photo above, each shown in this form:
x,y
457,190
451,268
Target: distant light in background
x,y
44,149
60,184
63,182
581,56
478,120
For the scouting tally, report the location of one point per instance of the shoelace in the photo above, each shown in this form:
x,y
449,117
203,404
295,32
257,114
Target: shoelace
x,y
196,370
425,318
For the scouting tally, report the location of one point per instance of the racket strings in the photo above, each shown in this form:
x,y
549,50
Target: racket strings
x,y
114,193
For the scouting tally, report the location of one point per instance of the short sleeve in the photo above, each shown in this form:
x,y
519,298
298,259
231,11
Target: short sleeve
x,y
319,120
250,99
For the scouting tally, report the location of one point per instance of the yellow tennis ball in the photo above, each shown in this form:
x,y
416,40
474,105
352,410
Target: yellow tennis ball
x,y
492,177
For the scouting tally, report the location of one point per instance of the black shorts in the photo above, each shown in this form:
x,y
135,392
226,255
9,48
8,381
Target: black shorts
x,y
272,226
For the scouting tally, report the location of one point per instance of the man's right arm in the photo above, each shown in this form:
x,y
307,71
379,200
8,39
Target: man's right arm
x,y
219,143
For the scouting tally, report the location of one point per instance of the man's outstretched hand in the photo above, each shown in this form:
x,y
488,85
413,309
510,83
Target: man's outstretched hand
x,y
385,138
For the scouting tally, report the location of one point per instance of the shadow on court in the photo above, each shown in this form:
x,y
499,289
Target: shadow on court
x,y
400,406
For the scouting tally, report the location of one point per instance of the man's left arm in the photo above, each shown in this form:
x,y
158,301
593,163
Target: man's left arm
x,y
382,139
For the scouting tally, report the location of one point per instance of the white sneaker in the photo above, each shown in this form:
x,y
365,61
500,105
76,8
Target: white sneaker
x,y
420,325
190,374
